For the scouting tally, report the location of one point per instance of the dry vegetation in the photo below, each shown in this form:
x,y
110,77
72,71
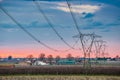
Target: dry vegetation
x,y
48,77
59,73
60,70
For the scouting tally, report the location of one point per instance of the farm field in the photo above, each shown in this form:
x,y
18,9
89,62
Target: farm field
x,y
59,70
59,77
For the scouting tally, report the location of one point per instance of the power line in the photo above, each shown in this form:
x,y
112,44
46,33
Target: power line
x,y
76,24
48,21
32,36
77,27
72,46
26,31
81,36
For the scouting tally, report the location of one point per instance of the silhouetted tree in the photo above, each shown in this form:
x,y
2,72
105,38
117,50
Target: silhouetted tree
x,y
50,58
0,58
9,57
30,57
117,57
69,57
42,57
57,58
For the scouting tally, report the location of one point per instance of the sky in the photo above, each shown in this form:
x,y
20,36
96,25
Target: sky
x,y
101,17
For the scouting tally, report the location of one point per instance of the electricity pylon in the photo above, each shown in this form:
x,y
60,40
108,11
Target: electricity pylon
x,y
103,50
87,41
99,48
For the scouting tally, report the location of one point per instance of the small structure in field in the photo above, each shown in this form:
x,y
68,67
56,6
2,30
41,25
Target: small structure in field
x,y
66,62
37,63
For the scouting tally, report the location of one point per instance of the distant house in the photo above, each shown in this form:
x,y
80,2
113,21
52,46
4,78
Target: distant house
x,y
66,62
102,59
9,61
37,63
52,62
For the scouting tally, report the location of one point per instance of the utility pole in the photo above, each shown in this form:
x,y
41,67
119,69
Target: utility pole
x,y
87,41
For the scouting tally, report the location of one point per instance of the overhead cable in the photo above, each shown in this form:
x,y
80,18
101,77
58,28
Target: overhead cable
x,y
26,31
49,22
72,14
31,35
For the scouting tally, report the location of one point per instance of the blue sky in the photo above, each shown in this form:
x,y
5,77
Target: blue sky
x,y
99,16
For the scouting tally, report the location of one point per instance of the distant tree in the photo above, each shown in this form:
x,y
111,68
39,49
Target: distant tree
x,y
117,56
69,57
0,57
30,57
50,58
57,58
9,57
42,57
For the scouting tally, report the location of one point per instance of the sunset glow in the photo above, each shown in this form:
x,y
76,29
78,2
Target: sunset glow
x,y
99,17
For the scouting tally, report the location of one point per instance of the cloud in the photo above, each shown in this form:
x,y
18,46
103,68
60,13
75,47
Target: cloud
x,y
37,24
7,25
93,25
96,24
110,2
104,27
113,24
88,15
105,30
78,8
12,30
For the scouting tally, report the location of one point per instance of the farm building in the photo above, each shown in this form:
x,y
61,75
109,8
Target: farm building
x,y
39,63
66,62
